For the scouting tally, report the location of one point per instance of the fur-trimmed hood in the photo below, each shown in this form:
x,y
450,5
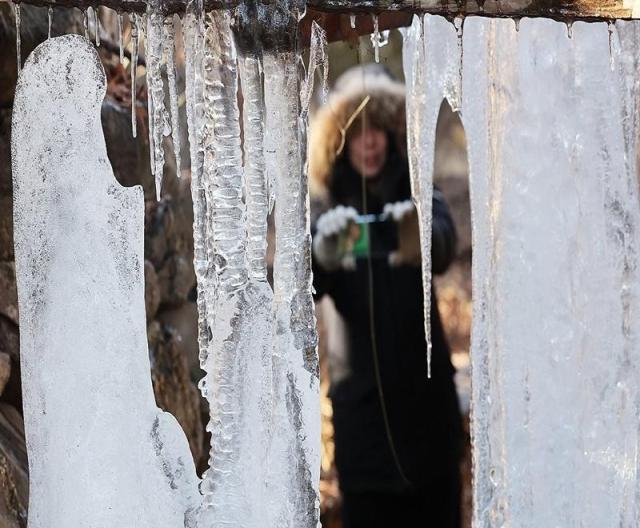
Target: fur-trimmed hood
x,y
385,110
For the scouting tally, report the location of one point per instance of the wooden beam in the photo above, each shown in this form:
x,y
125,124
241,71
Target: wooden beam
x,y
566,10
131,6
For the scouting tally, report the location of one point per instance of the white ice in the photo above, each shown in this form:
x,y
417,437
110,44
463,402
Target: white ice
x,y
552,130
101,454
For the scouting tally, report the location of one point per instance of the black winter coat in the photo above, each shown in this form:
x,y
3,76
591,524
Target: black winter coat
x,y
423,414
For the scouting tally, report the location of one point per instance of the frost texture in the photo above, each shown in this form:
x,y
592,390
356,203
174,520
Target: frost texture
x,y
117,460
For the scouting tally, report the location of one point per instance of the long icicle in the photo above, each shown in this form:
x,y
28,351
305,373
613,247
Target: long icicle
x,y
85,22
120,37
49,20
193,35
134,67
96,25
170,61
255,175
225,482
296,385
18,51
155,92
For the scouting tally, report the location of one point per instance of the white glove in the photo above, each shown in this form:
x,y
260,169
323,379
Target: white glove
x,y
398,210
328,229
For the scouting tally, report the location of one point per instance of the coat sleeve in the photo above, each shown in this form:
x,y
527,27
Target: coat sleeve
x,y
443,238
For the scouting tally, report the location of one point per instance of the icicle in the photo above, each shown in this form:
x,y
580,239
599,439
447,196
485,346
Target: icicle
x,y
134,67
222,109
170,61
255,175
570,29
224,484
375,38
85,23
120,37
155,93
295,350
516,22
352,20
18,51
50,20
193,36
96,26
610,30
430,53
459,25
318,60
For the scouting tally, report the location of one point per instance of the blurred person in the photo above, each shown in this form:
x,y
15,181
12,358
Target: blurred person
x,y
398,434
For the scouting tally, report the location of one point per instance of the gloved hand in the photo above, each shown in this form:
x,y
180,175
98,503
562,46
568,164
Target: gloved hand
x,y
325,241
405,215
399,210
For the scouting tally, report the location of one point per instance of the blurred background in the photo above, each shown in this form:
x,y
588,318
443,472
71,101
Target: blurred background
x,y
169,276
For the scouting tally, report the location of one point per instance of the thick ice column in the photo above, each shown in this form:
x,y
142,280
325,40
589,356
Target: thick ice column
x,y
257,193
551,124
101,454
239,312
296,446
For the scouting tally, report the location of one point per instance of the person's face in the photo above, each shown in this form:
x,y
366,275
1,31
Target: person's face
x,y
367,151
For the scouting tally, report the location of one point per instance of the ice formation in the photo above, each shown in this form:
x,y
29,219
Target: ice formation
x,y
101,454
158,121
16,8
431,62
296,382
552,128
135,22
170,62
120,37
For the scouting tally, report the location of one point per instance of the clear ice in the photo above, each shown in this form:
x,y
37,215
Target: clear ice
x,y
135,24
170,61
158,121
552,128
296,382
120,37
101,454
16,8
431,69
